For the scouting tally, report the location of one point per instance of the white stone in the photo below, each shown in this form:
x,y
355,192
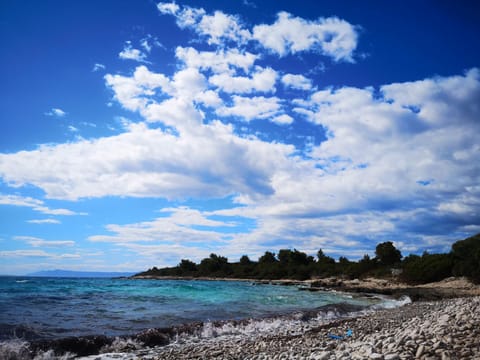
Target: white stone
x,y
420,351
392,357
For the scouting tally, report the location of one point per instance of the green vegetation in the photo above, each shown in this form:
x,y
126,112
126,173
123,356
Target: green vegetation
x,y
462,260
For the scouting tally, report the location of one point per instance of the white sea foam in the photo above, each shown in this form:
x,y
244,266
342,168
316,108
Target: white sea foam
x,y
13,349
390,303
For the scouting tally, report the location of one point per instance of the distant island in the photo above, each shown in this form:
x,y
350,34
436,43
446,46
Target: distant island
x,y
79,274
462,260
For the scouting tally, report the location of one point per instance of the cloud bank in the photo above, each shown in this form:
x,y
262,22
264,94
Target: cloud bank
x,y
401,158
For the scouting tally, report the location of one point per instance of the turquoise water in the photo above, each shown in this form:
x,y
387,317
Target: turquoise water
x,y
42,308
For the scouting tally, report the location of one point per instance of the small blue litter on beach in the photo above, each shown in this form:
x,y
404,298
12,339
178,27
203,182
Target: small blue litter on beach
x,y
349,333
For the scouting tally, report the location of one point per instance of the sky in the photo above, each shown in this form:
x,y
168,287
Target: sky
x,y
137,133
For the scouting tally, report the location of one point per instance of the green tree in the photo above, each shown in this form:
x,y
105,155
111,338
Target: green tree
x,y
187,266
387,254
267,258
426,268
245,260
466,258
215,266
325,265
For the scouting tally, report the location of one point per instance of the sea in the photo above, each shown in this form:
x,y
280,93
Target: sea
x,y
41,310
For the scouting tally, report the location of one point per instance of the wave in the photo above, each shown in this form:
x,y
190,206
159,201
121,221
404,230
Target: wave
x,y
294,323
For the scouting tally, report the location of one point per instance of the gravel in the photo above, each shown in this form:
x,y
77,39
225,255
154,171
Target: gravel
x,y
444,329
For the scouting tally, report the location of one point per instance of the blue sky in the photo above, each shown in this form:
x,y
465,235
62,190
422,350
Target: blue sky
x,y
135,133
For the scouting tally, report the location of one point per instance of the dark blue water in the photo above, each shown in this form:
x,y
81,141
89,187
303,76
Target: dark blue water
x,y
39,308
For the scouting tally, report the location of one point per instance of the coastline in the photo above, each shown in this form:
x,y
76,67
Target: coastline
x,y
444,329
436,329
446,289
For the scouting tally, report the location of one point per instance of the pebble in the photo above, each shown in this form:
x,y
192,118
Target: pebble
x,y
445,329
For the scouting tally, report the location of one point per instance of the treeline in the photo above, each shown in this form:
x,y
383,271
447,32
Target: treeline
x,y
462,260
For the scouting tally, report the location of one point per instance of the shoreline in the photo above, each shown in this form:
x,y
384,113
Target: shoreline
x,y
448,288
374,332
443,329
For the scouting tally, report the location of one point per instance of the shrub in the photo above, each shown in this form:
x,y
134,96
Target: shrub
x,y
426,268
466,258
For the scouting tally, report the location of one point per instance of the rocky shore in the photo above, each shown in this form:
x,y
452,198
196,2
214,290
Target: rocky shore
x,y
442,323
445,329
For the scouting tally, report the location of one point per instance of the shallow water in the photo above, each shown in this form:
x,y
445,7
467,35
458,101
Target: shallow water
x,y
45,308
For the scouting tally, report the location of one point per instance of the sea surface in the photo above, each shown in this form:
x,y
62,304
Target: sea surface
x,y
39,308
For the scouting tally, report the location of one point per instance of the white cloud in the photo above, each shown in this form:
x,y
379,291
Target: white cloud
x,y
44,221
35,204
217,28
36,253
288,35
220,61
331,36
37,242
168,8
205,161
176,226
283,119
98,67
132,92
56,112
297,82
220,27
251,108
130,53
263,80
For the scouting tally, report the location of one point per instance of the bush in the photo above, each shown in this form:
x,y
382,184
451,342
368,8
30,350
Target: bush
x,y
426,268
466,258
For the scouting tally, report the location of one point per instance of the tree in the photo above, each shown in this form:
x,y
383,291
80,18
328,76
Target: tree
x,y
466,258
426,268
387,254
325,265
267,258
215,265
245,260
187,266
295,257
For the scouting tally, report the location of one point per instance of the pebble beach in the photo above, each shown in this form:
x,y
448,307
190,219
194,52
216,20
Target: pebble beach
x,y
444,329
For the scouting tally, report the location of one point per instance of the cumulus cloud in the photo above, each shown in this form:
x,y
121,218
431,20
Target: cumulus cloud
x,y
220,61
332,36
283,119
211,161
177,225
392,154
217,28
251,108
130,53
263,80
299,82
56,112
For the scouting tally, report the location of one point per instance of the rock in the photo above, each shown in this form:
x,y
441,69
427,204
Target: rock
x,y
376,356
324,355
420,351
392,357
